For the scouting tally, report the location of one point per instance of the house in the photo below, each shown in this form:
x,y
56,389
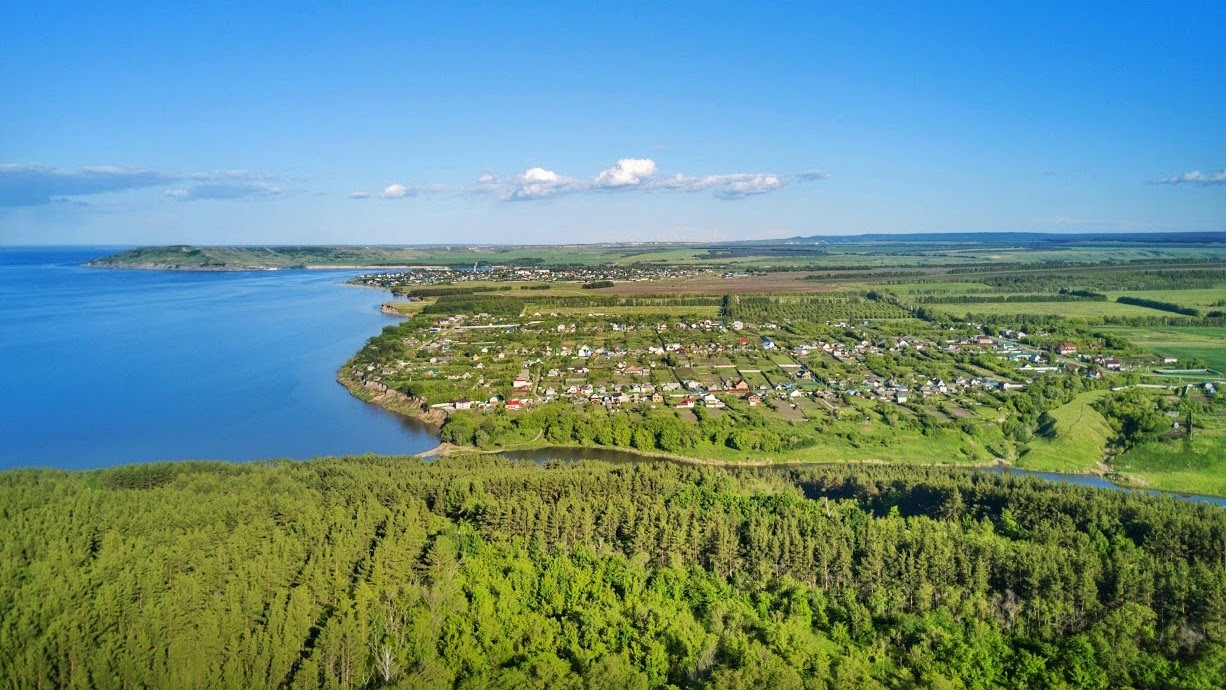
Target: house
x,y
515,404
524,380
712,401
1113,364
687,404
657,397
462,404
1066,348
753,399
1170,360
740,385
983,340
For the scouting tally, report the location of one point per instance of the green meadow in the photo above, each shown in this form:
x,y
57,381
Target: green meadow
x,y
1079,440
1196,467
1071,310
1206,343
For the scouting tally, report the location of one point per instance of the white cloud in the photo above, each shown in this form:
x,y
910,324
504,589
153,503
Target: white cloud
x,y
1195,177
538,183
396,191
359,195
627,172
540,175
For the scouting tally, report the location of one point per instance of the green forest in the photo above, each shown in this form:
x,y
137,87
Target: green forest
x,y
479,572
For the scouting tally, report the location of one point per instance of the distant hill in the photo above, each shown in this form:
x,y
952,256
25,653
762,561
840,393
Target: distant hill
x,y
190,258
791,251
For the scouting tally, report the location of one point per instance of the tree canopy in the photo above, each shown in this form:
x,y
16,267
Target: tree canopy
x,y
475,572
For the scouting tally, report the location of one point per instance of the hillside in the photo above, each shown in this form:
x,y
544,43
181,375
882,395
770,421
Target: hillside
x,y
1075,439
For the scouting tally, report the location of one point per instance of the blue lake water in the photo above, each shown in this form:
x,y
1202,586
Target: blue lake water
x,y
100,367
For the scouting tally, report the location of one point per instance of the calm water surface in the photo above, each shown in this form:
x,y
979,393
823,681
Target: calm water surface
x,y
101,367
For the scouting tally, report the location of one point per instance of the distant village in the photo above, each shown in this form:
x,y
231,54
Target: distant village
x,y
420,276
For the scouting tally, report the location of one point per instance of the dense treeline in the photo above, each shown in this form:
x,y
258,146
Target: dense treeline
x,y
1068,296
442,290
1199,278
475,572
1158,304
494,305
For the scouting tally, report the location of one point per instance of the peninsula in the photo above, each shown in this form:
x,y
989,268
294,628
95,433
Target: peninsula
x,y
1043,360
822,252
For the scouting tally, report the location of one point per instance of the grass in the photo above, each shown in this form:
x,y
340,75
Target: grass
x,y
1174,466
1080,440
1200,298
1070,310
410,308
1207,343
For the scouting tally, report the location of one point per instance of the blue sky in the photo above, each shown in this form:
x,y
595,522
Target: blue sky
x,y
532,122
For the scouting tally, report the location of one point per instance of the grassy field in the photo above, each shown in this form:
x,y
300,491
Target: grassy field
x,y
1080,440
410,308
1070,310
1173,466
1203,299
1207,343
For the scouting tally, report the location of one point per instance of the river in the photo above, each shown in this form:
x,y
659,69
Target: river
x,y
572,454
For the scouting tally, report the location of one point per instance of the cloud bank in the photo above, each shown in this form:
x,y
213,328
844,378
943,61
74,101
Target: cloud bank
x,y
1195,177
226,185
34,184
637,174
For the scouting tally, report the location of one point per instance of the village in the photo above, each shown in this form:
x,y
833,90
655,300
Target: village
x,y
480,362
424,276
